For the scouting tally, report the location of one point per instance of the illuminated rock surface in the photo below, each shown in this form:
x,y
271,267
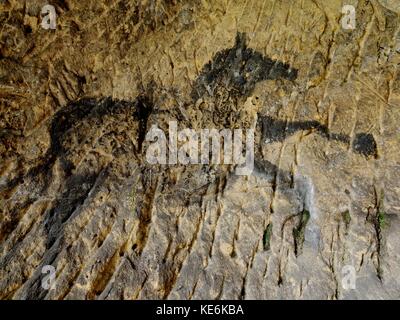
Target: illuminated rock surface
x,y
77,193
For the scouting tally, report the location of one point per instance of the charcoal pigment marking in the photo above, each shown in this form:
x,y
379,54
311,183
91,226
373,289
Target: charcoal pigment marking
x,y
144,108
278,130
364,143
65,130
68,119
77,189
274,130
239,69
65,122
84,110
67,138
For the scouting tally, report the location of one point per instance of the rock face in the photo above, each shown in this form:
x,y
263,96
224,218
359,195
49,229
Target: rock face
x,y
318,218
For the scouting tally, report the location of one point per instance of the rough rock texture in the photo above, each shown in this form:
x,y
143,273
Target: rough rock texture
x,y
77,193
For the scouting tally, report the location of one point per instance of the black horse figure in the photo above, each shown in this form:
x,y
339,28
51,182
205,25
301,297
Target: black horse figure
x,y
235,71
240,68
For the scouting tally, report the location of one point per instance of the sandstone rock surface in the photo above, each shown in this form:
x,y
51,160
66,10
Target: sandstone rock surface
x,y
77,193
